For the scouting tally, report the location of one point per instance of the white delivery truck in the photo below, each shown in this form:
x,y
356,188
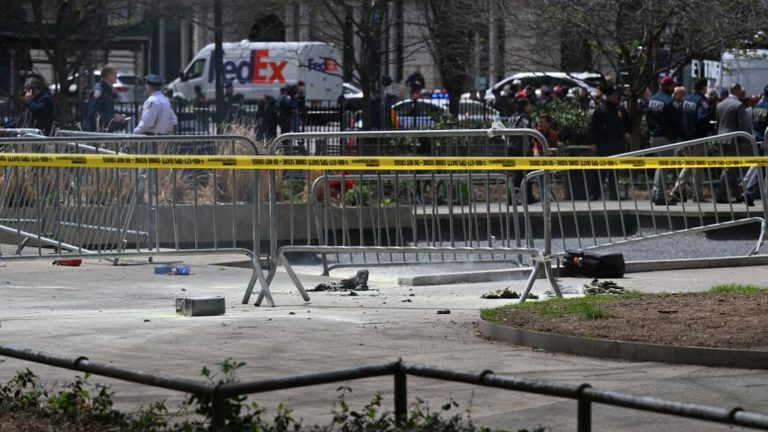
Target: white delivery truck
x,y
261,68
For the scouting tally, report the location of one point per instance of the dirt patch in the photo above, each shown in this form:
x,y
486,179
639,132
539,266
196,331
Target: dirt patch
x,y
736,321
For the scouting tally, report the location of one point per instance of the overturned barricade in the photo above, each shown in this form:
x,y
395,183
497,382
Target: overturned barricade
x,y
607,208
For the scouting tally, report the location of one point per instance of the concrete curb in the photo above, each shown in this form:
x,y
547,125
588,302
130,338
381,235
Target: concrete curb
x,y
631,267
631,351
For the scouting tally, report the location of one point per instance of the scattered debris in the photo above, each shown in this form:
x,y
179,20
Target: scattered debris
x,y
68,262
357,283
200,306
163,269
498,294
167,269
564,291
180,270
662,311
444,312
406,301
146,320
506,293
604,287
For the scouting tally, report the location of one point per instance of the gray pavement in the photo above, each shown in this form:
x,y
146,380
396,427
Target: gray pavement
x,y
125,315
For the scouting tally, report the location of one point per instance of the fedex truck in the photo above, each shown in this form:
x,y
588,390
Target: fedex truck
x,y
261,68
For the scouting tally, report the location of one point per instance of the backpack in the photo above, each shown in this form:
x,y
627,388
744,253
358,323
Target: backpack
x,y
593,265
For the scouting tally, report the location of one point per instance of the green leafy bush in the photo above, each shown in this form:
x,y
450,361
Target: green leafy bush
x,y
83,407
571,122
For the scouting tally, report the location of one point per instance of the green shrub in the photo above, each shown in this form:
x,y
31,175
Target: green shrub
x,y
75,408
571,122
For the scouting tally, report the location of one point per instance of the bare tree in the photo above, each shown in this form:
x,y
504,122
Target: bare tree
x,y
643,39
452,27
364,31
69,31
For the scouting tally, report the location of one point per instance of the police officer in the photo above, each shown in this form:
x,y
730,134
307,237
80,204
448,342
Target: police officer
x,y
157,117
696,124
101,116
760,117
663,124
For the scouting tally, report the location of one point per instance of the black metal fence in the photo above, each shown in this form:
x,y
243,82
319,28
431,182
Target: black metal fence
x,y
268,119
584,394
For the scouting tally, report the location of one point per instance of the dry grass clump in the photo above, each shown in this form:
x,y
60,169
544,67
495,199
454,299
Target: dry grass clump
x,y
29,186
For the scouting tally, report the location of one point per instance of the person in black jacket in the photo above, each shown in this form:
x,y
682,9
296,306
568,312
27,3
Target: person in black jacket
x,y
101,115
40,110
521,145
696,124
663,124
608,134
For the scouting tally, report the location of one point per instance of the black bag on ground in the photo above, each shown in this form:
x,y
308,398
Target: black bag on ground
x,y
590,264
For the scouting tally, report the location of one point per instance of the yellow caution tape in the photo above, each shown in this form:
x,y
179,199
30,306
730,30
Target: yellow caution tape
x,y
372,163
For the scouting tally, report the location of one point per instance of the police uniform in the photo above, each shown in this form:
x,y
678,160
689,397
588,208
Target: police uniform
x,y
660,117
101,109
760,117
663,121
157,117
696,118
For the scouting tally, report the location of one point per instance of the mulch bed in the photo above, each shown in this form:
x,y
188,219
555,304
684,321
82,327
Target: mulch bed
x,y
735,321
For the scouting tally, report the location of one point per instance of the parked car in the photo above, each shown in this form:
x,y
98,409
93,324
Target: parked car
x,y
127,88
352,92
423,113
587,80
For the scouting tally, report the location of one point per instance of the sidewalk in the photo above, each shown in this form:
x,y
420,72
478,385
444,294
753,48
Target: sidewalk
x,y
126,315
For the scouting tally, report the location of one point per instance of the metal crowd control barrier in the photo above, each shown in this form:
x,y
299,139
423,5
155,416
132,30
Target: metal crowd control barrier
x,y
48,212
18,132
400,218
584,394
629,214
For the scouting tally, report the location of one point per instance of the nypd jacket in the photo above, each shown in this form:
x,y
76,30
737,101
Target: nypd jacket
x,y
696,116
101,109
662,116
760,119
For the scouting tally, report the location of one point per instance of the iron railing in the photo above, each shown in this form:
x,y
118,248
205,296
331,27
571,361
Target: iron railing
x,y
584,394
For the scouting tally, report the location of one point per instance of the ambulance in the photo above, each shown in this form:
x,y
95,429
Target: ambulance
x,y
261,68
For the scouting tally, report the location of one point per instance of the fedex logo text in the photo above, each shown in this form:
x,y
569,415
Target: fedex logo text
x,y
326,64
258,70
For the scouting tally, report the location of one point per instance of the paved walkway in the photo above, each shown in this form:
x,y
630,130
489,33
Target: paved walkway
x,y
125,315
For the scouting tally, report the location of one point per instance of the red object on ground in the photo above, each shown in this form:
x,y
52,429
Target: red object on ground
x,y
68,262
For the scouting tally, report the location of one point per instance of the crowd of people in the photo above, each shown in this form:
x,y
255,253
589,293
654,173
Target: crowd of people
x,y
157,116
672,115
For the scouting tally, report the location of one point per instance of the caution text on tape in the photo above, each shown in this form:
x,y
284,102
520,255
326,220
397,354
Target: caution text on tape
x,y
372,163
